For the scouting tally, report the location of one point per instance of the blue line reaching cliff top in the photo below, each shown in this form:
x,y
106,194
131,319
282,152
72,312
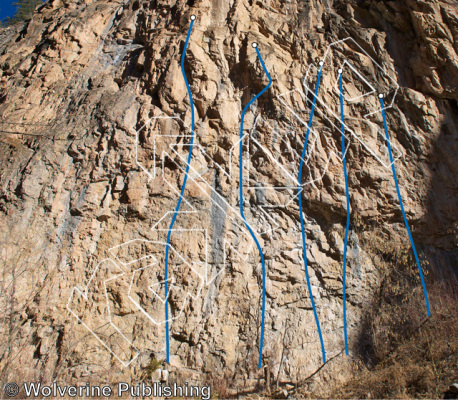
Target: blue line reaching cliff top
x,y
241,203
183,187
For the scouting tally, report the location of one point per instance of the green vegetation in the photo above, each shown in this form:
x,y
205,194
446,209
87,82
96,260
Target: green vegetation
x,y
25,9
153,365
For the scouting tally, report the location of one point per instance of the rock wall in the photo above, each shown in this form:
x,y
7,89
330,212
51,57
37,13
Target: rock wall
x,y
95,124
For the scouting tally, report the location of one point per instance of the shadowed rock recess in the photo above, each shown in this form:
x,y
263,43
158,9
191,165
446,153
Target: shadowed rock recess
x,y
95,131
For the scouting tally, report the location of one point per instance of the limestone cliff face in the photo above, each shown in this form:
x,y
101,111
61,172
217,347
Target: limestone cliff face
x,y
95,133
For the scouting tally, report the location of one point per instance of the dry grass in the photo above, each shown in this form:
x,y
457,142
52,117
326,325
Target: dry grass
x,y
422,361
405,354
220,387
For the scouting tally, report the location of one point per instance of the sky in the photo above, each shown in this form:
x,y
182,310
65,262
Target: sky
x,y
6,8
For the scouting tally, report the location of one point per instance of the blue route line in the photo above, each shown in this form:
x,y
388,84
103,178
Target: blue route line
x,y
402,207
241,203
304,248
181,193
342,127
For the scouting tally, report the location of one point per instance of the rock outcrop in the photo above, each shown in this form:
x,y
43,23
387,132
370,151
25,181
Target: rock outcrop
x,y
95,132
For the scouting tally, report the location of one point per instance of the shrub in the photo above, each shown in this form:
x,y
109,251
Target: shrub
x,y
25,10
